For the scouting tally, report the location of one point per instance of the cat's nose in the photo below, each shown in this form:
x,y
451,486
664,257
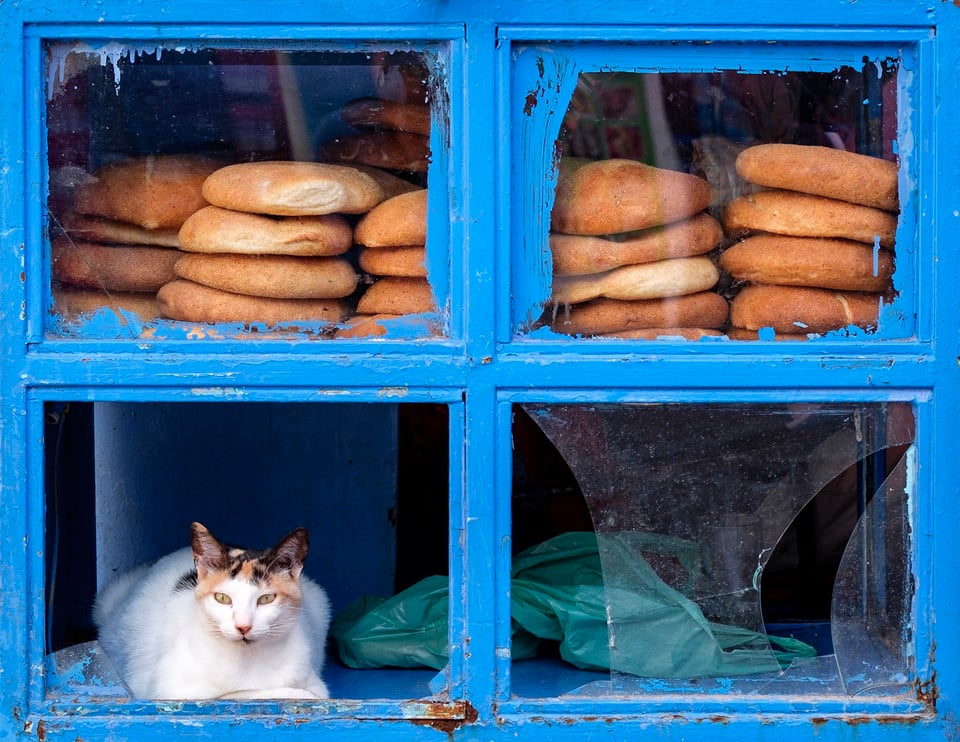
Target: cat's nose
x,y
244,630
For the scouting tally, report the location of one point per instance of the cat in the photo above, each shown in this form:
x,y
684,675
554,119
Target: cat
x,y
212,621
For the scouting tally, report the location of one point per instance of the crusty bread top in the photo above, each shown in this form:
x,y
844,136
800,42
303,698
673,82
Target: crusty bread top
x,y
154,192
615,196
287,188
401,220
822,171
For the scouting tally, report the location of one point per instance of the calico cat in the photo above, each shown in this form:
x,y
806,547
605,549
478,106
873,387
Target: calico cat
x,y
213,621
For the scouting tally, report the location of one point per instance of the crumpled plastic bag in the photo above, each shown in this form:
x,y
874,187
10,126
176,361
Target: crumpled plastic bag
x,y
632,623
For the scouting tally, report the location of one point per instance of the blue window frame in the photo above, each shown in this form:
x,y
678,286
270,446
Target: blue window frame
x,y
503,80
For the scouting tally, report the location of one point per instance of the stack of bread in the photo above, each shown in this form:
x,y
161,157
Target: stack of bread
x,y
118,246
392,135
817,248
629,244
270,246
391,240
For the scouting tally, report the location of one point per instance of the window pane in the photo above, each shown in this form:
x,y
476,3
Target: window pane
x,y
175,205
744,548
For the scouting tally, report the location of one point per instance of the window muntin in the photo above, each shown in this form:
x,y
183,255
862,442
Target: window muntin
x,y
200,106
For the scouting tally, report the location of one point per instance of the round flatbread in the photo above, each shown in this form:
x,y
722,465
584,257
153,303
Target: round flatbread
x,y
409,262
156,192
798,309
674,277
822,171
217,230
705,309
377,113
614,196
111,267
73,303
665,333
113,232
393,295
390,150
803,215
276,276
285,188
193,302
809,261
398,221
576,255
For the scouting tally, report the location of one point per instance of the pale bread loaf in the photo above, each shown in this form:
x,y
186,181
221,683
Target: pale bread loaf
x,y
392,295
217,230
275,276
822,171
803,215
664,278
87,228
193,302
286,188
398,221
809,261
705,309
800,309
614,196
577,254
394,261
155,192
111,267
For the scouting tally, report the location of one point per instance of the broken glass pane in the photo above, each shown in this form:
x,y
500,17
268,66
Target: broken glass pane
x,y
688,504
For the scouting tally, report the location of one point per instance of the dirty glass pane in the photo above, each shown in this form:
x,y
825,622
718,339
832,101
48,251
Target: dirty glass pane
x,y
722,204
215,192
125,480
690,505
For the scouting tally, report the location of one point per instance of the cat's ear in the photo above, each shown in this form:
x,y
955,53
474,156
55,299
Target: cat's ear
x,y
290,553
208,553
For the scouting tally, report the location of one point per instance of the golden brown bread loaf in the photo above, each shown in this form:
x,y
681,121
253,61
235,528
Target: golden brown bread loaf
x,y
809,261
800,309
822,171
286,188
394,261
111,267
217,230
85,228
391,150
392,295
615,196
153,192
193,302
71,303
378,113
577,254
276,276
803,215
398,221
663,278
705,309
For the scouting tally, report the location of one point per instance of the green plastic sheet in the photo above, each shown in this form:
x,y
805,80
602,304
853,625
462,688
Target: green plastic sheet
x,y
632,622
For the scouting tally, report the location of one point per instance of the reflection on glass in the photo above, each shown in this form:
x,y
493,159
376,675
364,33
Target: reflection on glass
x,y
689,504
276,189
756,206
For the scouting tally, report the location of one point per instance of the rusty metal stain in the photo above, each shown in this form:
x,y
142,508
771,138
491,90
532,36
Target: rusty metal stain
x,y
446,717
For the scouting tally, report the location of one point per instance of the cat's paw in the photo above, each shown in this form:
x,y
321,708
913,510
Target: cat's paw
x,y
267,694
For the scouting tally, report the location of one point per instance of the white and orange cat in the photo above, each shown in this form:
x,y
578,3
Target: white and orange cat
x,y
212,621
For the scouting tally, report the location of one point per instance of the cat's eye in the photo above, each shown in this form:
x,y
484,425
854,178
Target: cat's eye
x,y
222,598
266,598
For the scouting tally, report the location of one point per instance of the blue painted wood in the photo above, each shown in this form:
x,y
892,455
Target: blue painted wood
x,y
493,182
